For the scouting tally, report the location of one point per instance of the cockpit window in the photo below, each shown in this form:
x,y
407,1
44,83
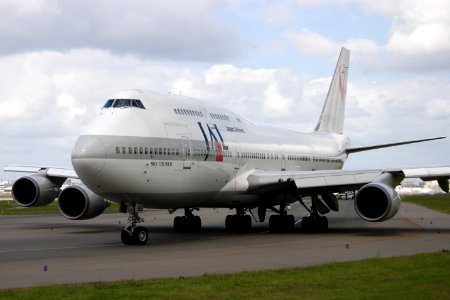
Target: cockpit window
x,y
119,103
108,103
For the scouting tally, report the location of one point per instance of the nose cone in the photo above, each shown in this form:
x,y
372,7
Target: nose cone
x,y
88,155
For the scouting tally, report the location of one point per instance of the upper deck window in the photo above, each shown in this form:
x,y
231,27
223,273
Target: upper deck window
x,y
118,103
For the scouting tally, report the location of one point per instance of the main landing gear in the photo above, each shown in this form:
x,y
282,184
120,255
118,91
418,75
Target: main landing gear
x,y
314,222
240,222
282,221
188,222
132,234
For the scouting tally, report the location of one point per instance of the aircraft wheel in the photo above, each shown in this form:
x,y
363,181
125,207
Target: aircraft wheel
x,y
127,239
196,223
322,225
140,235
178,223
238,223
275,223
289,223
307,224
229,223
246,222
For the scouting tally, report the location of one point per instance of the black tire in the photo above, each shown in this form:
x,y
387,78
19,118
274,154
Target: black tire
x,y
230,223
275,223
127,239
246,223
196,223
289,223
178,223
140,235
322,224
307,224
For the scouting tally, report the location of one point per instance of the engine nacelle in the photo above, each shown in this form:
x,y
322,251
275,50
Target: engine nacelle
x,y
34,190
77,202
376,202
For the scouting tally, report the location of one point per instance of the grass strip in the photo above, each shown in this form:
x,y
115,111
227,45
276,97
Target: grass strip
x,y
9,207
439,202
424,276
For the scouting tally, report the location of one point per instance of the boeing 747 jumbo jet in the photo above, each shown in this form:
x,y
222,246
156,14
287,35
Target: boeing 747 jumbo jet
x,y
148,150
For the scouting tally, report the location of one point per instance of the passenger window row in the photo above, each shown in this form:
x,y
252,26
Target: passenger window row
x,y
220,117
188,112
256,155
300,158
147,151
327,160
225,153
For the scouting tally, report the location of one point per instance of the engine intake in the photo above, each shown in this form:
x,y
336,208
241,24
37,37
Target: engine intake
x,y
77,202
376,202
34,190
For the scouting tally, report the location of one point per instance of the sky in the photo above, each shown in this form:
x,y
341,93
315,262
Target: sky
x,y
271,61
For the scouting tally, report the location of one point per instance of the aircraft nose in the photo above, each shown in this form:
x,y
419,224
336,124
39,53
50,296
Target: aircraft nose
x,y
88,155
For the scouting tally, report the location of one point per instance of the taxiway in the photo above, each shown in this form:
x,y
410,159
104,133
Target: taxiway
x,y
48,249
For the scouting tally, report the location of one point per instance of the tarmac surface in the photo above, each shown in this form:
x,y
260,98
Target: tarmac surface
x,y
48,249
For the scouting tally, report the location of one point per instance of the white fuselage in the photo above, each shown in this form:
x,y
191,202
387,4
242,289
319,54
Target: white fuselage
x,y
180,152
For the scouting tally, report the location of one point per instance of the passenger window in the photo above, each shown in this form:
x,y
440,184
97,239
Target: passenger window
x,y
130,150
141,151
151,151
124,150
160,151
117,150
146,151
135,150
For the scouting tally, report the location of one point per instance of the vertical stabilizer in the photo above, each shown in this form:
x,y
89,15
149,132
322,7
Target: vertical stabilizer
x,y
332,116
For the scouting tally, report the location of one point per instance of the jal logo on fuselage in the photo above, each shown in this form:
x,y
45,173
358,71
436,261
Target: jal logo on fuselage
x,y
213,140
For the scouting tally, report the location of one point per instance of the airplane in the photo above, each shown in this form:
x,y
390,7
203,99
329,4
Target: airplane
x,y
163,151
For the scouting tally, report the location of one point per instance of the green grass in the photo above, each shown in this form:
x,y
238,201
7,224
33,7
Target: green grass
x,y
439,202
424,276
9,207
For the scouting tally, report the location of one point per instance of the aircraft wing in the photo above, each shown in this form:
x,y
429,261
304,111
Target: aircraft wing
x,y
49,171
309,182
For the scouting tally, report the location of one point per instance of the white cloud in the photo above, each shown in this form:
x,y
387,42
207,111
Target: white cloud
x,y
145,28
276,105
312,43
362,46
418,39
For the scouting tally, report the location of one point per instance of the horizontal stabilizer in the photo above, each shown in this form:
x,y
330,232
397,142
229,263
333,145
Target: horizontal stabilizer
x,y
379,146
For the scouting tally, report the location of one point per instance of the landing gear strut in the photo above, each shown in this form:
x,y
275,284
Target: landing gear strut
x,y
132,234
188,222
314,222
282,221
240,222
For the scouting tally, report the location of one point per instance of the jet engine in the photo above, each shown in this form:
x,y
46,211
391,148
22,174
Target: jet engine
x,y
377,201
34,190
77,202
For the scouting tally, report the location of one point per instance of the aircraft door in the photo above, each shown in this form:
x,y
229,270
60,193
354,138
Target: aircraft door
x,y
186,152
283,162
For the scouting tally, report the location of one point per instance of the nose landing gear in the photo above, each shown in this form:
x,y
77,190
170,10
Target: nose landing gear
x,y
132,234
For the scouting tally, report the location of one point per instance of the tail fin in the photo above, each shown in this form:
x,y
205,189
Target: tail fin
x,y
332,116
